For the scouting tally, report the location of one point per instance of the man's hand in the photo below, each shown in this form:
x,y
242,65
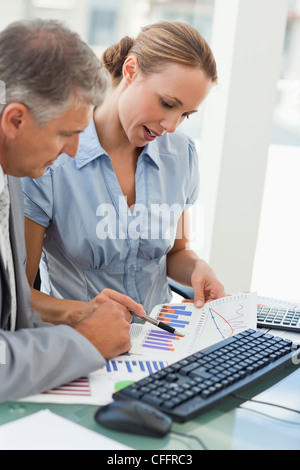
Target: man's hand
x,y
107,329
75,311
121,301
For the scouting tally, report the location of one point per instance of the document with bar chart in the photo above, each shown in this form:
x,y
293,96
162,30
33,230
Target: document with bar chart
x,y
153,348
98,388
216,321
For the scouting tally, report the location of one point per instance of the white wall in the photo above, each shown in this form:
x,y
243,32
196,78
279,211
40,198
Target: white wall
x,y
247,41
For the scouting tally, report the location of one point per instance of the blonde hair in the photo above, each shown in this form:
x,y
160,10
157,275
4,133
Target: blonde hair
x,y
158,44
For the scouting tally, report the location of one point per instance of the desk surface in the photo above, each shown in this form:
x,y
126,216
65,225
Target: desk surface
x,y
230,426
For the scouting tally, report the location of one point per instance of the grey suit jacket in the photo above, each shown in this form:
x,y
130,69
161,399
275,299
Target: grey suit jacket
x,y
38,356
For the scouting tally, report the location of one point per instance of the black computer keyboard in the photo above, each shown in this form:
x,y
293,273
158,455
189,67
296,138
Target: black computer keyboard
x,y
202,380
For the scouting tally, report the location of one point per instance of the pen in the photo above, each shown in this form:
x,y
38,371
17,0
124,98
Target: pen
x,y
160,324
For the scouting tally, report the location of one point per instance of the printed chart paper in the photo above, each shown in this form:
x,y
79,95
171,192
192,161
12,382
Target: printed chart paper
x,y
216,321
98,388
153,348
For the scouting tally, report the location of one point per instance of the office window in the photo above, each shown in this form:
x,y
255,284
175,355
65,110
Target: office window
x,y
287,110
102,26
276,270
102,23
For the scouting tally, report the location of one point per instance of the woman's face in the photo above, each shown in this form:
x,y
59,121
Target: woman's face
x,y
155,104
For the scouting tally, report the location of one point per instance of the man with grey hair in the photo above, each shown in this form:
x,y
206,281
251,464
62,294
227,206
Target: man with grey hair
x,y
52,81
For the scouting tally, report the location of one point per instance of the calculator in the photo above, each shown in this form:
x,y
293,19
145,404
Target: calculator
x,y
278,314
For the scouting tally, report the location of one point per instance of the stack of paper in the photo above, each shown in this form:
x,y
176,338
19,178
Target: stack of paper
x,y
47,431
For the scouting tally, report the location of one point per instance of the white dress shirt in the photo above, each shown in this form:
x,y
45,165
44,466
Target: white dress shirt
x,y
3,183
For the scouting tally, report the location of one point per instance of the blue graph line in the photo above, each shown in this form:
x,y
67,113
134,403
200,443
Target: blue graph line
x,y
216,325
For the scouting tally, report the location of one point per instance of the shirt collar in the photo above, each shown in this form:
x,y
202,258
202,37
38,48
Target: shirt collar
x,y
3,180
152,150
90,148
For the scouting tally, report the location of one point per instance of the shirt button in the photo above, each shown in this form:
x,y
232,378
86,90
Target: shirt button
x,y
133,235
131,269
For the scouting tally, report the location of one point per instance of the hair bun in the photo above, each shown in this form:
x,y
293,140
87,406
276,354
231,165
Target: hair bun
x,y
114,56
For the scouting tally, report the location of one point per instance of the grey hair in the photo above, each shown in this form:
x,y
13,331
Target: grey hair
x,y
45,65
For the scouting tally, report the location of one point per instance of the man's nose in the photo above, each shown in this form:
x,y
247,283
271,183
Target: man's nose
x,y
71,147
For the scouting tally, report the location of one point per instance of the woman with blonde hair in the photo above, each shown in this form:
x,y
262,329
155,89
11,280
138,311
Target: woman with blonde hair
x,y
115,218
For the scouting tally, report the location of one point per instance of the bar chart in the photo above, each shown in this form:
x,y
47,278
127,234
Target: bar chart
x,y
133,366
79,388
176,316
99,386
157,343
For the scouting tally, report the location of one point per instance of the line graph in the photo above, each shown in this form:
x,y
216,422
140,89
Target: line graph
x,y
230,315
215,320
228,318
238,320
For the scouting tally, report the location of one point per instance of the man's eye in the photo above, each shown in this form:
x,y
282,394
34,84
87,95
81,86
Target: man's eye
x,y
66,134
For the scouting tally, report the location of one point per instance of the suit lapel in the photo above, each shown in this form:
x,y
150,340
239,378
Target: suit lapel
x,y
19,251
5,297
26,318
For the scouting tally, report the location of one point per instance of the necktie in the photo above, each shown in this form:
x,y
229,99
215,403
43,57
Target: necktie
x,y
8,259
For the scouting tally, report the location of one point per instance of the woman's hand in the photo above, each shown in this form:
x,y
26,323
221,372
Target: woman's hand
x,y
205,283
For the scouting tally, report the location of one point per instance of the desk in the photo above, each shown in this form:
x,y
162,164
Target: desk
x,y
226,427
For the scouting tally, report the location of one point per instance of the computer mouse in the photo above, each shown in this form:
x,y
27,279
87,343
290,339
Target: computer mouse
x,y
134,417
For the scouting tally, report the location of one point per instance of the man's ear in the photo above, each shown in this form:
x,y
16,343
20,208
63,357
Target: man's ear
x,y
130,69
13,119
